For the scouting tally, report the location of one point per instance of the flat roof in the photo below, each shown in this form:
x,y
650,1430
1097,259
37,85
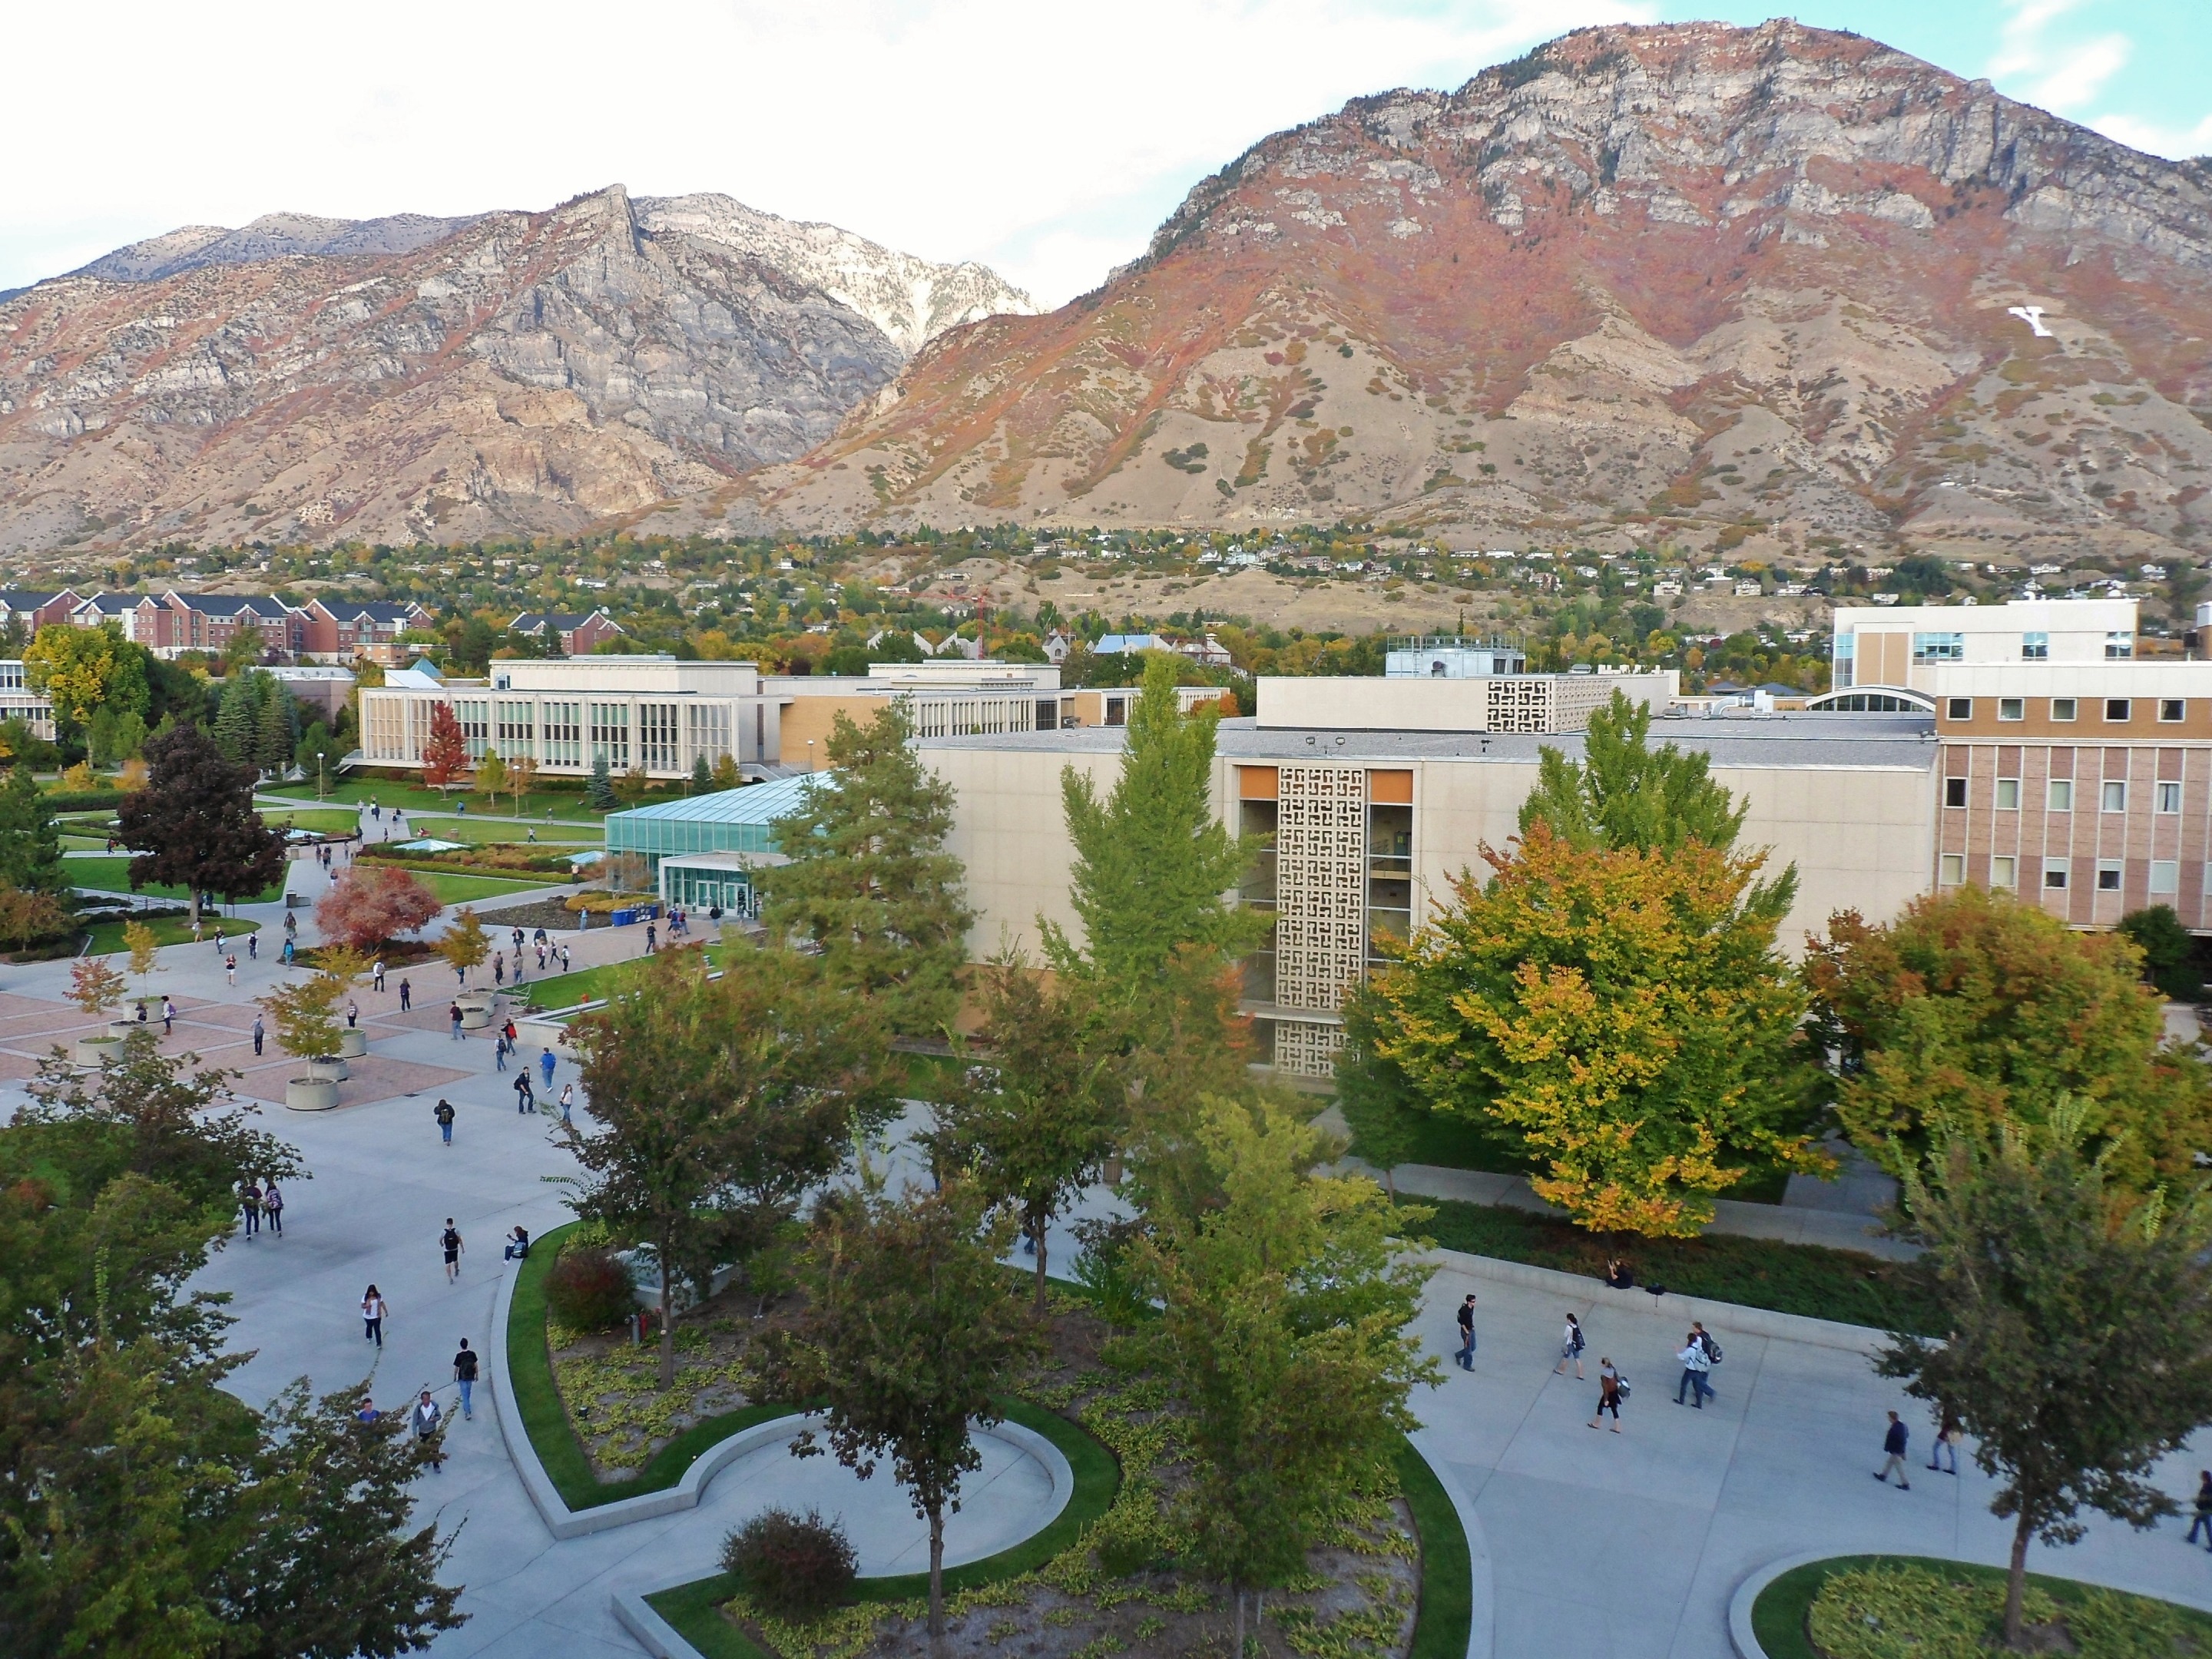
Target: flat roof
x,y
1810,739
756,803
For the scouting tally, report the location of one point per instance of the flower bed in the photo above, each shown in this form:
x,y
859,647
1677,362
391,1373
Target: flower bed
x,y
1872,1606
493,858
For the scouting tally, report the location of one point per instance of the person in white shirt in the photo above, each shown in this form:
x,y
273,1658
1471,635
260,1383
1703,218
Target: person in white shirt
x,y
1694,1367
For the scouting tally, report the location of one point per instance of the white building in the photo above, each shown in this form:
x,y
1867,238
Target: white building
x,y
1903,647
19,702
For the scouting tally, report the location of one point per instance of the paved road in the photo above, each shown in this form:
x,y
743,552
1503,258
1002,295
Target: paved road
x,y
1626,1545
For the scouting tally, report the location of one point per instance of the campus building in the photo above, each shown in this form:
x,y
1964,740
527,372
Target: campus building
x,y
701,852
19,702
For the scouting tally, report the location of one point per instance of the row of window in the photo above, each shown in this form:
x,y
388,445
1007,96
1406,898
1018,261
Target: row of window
x,y
2118,711
2057,873
2120,646
2058,795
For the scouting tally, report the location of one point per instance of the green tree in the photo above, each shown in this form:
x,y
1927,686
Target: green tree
x,y
491,775
702,776
238,720
1625,793
129,735
2080,1349
1034,1119
1624,1013
318,755
720,1103
83,669
149,1510
725,774
194,822
599,792
2169,950
1286,1302
631,787
100,737
1973,1010
463,945
910,1332
1151,861
869,881
274,739
30,840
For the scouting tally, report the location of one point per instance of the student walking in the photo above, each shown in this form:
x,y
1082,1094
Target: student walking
x,y
373,1312
230,968
568,1099
376,976
1570,1347
444,1113
465,1373
272,1206
406,995
253,947
1611,1391
498,968
168,1018
545,1065
525,1101
2204,1508
1466,1354
1694,1367
450,1242
353,1014
498,1052
249,1202
1893,1445
453,1017
257,1034
1704,1338
427,1420
1946,1443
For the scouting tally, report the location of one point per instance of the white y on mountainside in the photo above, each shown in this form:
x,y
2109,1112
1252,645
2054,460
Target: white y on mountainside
x,y
910,299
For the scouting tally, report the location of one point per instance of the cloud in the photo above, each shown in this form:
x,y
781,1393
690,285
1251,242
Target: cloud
x,y
2044,67
2177,143
1046,138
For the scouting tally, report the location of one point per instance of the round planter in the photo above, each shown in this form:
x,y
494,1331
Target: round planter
x,y
90,1051
124,1028
310,1094
332,1070
469,1000
474,1019
353,1043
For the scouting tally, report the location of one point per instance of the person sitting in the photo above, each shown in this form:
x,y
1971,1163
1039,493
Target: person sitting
x,y
1619,1275
518,1245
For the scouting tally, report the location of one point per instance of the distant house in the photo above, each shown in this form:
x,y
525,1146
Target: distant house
x,y
173,622
37,610
1057,645
1209,651
579,636
342,630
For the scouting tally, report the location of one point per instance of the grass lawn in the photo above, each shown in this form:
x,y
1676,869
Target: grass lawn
x,y
335,819
113,875
107,936
565,802
466,890
483,832
1754,1272
1779,1617
589,984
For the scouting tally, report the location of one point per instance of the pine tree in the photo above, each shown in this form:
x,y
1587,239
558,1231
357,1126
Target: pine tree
x,y
868,879
235,721
272,749
599,793
703,780
30,844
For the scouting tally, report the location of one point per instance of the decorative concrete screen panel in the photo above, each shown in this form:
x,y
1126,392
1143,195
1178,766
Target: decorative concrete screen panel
x,y
1320,882
1307,1048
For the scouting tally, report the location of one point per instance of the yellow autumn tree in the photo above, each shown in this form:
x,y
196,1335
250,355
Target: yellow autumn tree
x,y
1620,1012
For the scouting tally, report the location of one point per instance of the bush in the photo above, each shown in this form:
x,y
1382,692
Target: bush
x,y
81,800
2169,951
1900,1610
591,1289
793,1566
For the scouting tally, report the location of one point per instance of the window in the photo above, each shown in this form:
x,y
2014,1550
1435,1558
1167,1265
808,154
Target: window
x,y
2119,644
1845,662
1954,792
2119,710
2008,794
2171,709
2035,647
1938,647
2061,709
475,716
610,734
2108,875
2114,798
656,736
2062,795
2165,877
1117,711
1954,869
517,724
2012,708
564,745
2004,873
2169,798
2054,872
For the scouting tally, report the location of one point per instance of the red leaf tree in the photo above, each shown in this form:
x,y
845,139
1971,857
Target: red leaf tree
x,y
446,756
370,904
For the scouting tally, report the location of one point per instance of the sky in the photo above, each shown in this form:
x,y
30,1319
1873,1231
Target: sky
x,y
1047,140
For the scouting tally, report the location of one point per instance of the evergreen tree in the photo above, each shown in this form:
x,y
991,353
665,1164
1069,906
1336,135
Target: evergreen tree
x,y
599,793
30,842
194,823
1625,793
703,780
236,721
2169,950
868,879
99,736
318,753
275,738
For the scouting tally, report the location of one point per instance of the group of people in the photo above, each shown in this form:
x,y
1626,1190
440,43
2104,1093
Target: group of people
x,y
1699,1354
260,1202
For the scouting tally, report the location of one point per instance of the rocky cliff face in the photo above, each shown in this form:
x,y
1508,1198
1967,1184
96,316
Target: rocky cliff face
x,y
1689,281
318,379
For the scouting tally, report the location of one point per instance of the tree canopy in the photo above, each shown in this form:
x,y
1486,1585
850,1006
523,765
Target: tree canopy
x,y
30,840
83,669
1973,1010
869,881
1624,794
194,822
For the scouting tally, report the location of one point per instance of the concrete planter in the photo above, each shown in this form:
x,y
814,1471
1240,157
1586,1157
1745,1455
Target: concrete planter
x,y
310,1094
353,1043
332,1070
123,1028
91,1050
474,1019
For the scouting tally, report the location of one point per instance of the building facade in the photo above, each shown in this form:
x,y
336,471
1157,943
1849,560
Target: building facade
x,y
1905,647
19,702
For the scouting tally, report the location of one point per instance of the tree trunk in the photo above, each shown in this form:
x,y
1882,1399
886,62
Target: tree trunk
x,y
195,917
667,1327
2016,1584
1236,1593
937,1580
1039,1236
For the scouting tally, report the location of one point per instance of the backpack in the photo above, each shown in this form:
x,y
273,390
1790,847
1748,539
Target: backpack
x,y
1577,1342
1712,1348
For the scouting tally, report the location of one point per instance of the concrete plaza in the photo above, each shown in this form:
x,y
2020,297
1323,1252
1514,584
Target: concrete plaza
x,y
1626,1545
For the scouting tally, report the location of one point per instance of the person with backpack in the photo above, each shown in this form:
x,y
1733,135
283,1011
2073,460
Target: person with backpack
x,y
464,1373
1694,1367
1611,1391
272,1206
443,1111
1570,1347
249,1201
1704,1338
525,1101
450,1242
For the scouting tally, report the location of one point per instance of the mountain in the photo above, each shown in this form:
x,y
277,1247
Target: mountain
x,y
306,379
1718,285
